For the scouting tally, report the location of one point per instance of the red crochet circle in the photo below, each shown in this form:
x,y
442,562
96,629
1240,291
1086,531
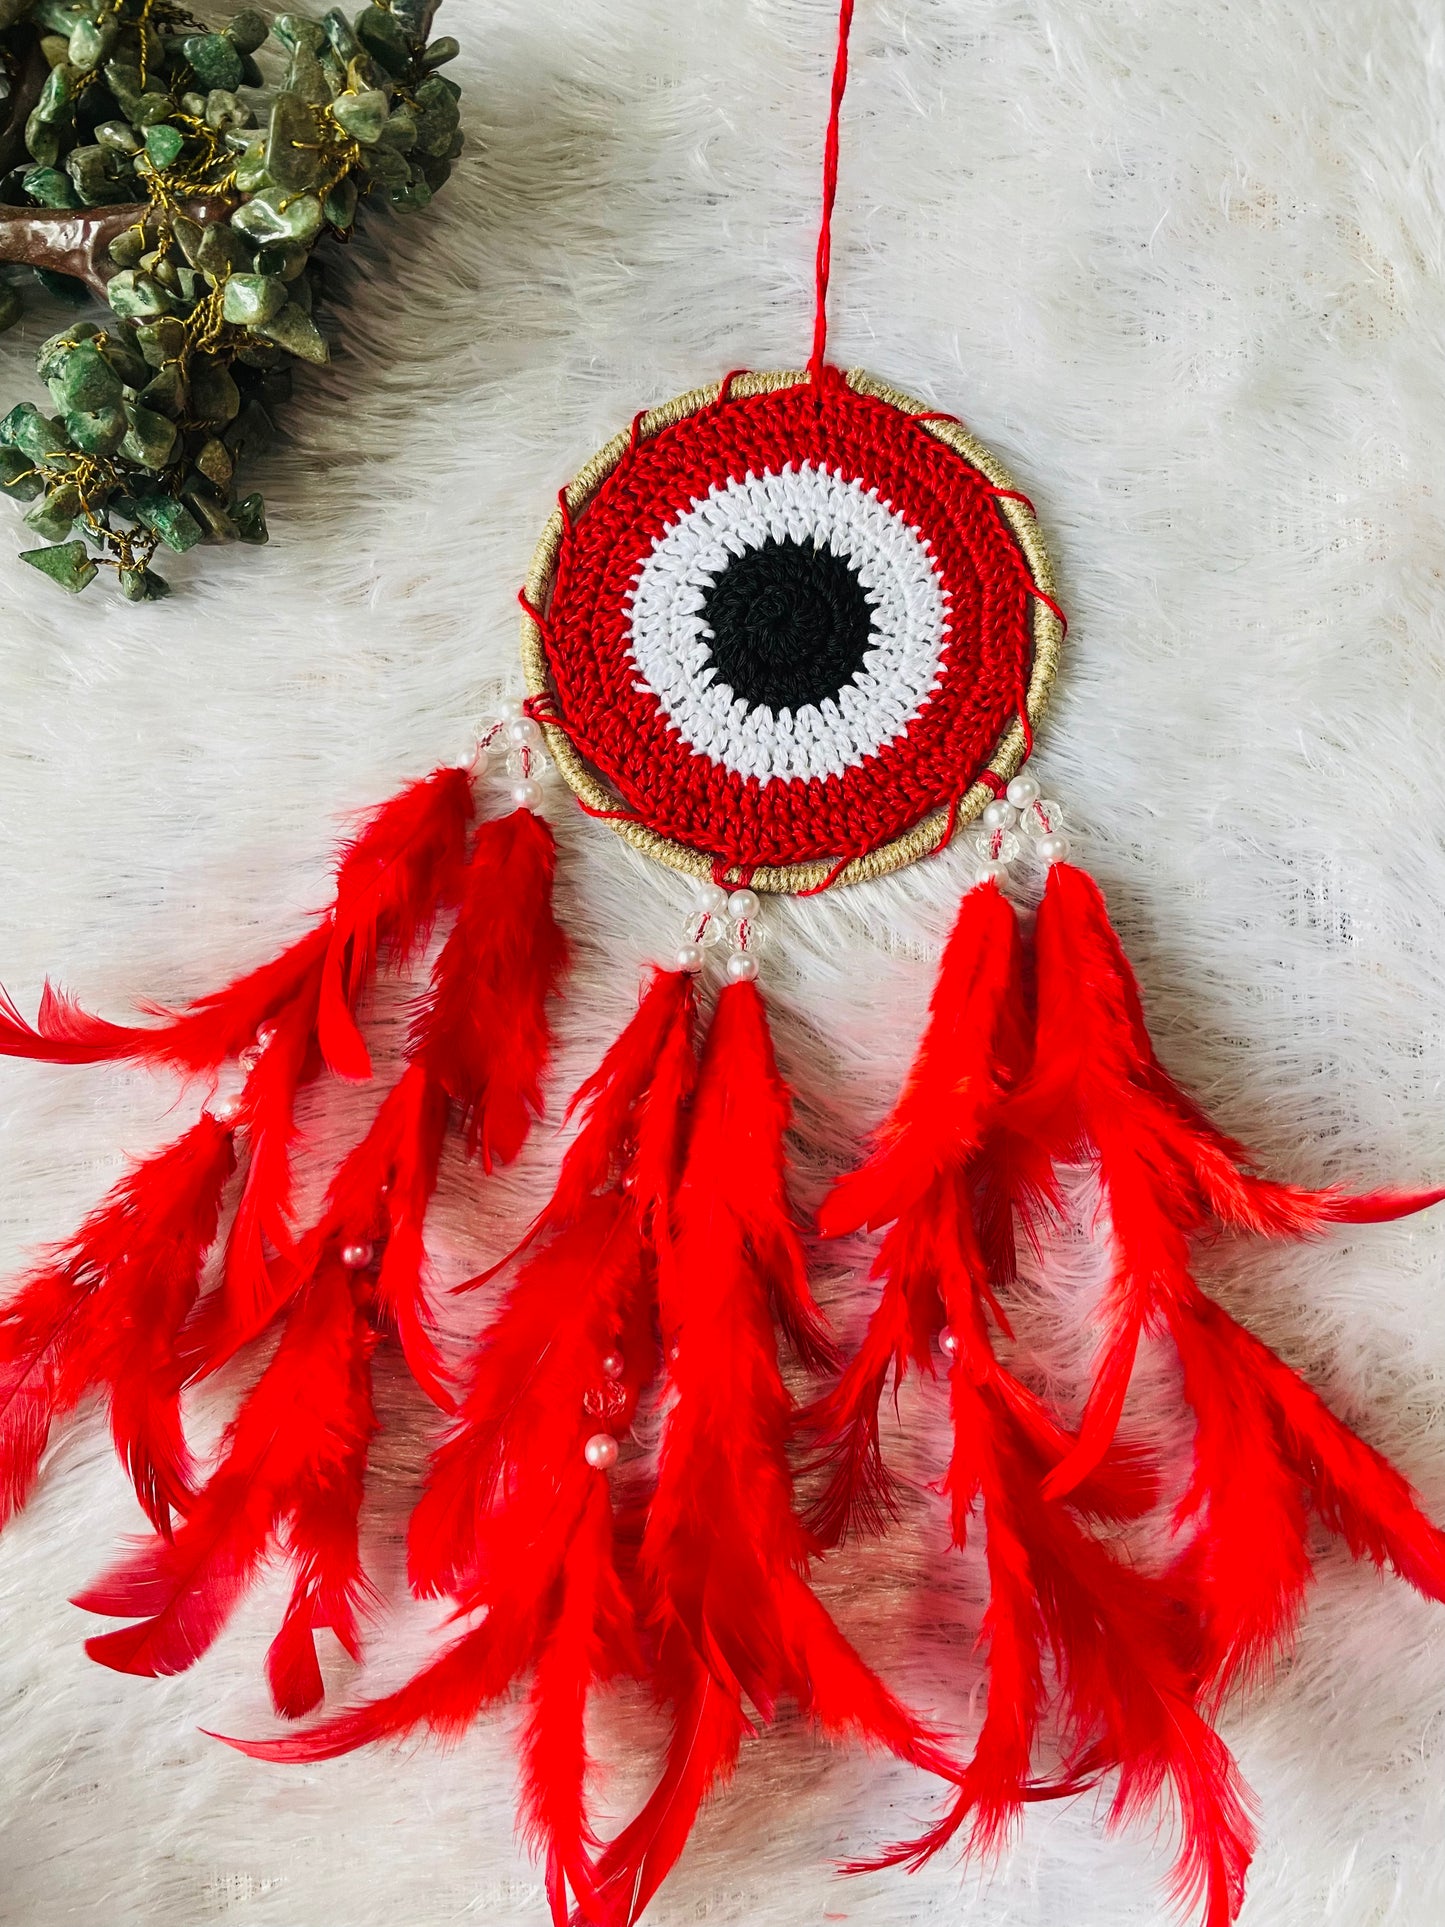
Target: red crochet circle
x,y
621,728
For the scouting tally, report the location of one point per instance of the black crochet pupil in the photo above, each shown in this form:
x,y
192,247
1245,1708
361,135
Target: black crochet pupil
x,y
787,624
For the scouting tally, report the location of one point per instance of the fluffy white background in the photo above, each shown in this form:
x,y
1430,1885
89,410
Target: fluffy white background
x,y
1181,265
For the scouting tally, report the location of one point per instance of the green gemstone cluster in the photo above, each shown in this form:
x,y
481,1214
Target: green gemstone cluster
x,y
185,177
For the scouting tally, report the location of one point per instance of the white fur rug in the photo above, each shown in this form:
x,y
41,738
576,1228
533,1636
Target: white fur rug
x,y
1181,266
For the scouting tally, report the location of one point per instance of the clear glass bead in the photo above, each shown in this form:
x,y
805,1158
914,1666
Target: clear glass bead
x,y
995,848
1043,817
750,933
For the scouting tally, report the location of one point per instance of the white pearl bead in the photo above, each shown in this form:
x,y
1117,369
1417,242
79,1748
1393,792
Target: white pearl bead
x,y
688,958
527,795
742,967
510,709
613,1365
998,816
948,1343
265,1037
1022,790
523,733
712,900
226,1110
600,1451
356,1257
1053,849
743,905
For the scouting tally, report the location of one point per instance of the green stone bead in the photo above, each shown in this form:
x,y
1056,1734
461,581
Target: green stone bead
x,y
362,116
384,38
49,187
215,60
165,392
143,585
214,462
100,433
171,520
69,565
251,175
295,331
441,51
283,258
247,30
137,297
163,143
85,382
292,157
124,81
149,438
413,197
121,352
385,167
55,352
308,78
221,251
275,215
226,110
127,247
214,394
17,475
339,207
42,141
120,135
58,92
34,434
91,42
209,512
101,176
151,108
50,520
400,130
161,341
295,30
250,299
249,515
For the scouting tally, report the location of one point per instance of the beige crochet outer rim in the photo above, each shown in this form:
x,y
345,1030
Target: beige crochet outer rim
x,y
927,835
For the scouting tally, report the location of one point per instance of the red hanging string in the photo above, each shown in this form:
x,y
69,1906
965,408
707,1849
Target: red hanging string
x,y
830,190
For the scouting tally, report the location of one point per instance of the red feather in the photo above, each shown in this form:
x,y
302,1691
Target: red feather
x,y
199,1038
287,1060
105,1312
723,1554
1265,1447
482,1030
292,1461
1097,1090
401,868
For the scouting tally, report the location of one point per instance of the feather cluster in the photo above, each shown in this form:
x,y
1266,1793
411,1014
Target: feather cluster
x,y
668,1239
667,1270
120,1309
1005,1090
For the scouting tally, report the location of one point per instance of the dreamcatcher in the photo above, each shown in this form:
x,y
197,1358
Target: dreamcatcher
x,y
788,632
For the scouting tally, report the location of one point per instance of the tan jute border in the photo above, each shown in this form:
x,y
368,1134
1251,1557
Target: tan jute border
x,y
927,835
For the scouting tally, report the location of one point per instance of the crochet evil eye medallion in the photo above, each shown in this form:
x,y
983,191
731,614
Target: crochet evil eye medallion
x,y
791,632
